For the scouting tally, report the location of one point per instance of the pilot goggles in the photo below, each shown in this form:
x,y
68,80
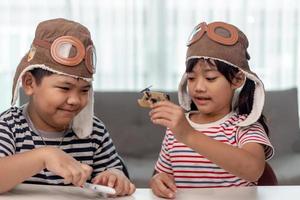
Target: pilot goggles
x,y
70,51
220,32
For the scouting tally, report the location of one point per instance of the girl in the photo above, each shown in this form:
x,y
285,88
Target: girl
x,y
222,140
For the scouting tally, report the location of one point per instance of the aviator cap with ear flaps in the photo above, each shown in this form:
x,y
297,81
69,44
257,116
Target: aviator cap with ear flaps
x,y
63,47
226,43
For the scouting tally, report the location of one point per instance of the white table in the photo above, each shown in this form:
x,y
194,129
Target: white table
x,y
43,192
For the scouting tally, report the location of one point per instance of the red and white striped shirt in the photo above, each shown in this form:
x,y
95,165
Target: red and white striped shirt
x,y
192,170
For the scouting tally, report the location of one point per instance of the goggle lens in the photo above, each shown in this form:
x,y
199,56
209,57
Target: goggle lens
x,y
91,59
66,51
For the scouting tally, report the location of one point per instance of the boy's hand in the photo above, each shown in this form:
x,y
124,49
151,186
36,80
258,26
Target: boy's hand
x,y
64,165
116,179
163,185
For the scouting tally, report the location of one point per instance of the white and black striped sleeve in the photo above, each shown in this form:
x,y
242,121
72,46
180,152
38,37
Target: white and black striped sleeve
x,y
7,142
105,156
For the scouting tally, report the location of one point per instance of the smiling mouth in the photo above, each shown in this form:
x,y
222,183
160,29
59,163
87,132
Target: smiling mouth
x,y
68,111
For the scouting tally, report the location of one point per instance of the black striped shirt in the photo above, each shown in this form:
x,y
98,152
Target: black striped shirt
x,y
97,150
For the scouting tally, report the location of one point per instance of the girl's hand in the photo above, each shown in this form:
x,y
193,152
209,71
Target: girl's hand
x,y
163,185
64,165
116,179
172,116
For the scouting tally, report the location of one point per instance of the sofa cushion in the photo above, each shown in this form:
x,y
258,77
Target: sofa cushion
x,y
281,111
129,124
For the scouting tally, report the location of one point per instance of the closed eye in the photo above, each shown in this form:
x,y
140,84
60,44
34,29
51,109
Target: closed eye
x,y
85,90
211,78
63,88
190,77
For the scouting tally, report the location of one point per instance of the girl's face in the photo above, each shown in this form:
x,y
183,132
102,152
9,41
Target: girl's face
x,y
210,91
56,101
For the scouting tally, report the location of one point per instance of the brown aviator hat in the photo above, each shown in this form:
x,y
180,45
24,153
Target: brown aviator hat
x,y
62,47
226,43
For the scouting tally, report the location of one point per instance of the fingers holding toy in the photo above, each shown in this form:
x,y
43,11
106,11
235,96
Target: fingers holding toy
x,y
64,165
80,173
170,115
165,114
116,179
87,171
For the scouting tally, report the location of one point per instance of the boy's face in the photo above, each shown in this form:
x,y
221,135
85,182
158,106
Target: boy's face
x,y
56,101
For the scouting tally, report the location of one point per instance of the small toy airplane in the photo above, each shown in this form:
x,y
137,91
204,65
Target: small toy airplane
x,y
151,97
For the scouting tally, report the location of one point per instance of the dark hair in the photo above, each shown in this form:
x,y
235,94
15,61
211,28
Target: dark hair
x,y
245,102
39,74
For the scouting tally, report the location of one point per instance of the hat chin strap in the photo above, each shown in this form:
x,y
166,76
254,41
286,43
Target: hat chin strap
x,y
83,121
258,99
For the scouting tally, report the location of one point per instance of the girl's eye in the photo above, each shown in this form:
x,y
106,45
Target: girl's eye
x,y
211,78
190,77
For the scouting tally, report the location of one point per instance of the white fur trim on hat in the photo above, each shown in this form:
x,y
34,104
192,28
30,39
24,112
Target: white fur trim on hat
x,y
83,122
183,96
258,101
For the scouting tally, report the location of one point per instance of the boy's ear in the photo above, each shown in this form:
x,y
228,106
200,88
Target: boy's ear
x,y
238,80
28,83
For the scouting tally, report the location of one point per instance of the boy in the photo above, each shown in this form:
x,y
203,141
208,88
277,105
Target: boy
x,y
55,139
